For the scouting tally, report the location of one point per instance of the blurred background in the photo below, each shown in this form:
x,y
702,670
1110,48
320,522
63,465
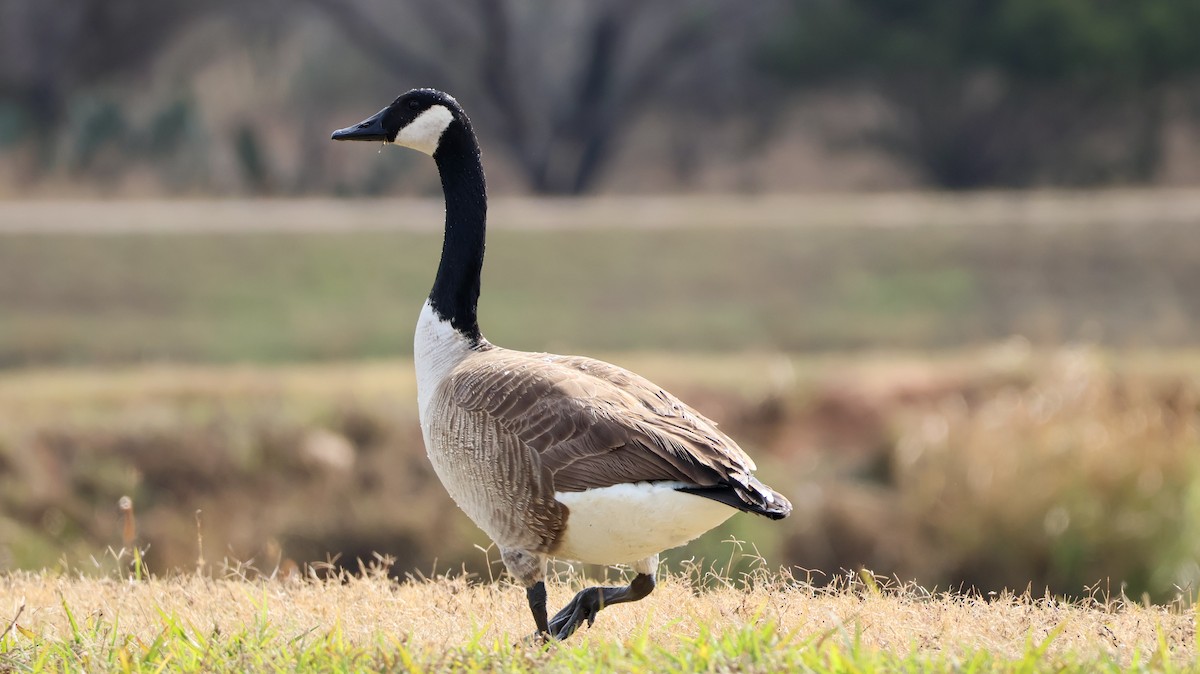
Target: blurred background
x,y
934,263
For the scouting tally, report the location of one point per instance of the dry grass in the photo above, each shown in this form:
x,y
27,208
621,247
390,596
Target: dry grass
x,y
1074,468
998,468
432,619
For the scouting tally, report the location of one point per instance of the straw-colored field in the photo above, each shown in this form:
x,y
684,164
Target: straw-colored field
x,y
240,370
362,624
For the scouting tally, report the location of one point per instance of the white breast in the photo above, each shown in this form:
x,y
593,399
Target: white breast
x,y
628,522
437,349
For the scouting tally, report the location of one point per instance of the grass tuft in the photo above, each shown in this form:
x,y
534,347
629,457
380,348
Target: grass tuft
x,y
359,623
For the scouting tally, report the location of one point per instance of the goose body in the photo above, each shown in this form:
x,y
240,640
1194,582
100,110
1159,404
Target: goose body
x,y
574,457
550,455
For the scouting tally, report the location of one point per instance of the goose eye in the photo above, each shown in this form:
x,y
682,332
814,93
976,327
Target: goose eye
x,y
414,105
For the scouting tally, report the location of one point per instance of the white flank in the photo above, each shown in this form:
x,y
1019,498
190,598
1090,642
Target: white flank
x,y
437,349
424,132
625,523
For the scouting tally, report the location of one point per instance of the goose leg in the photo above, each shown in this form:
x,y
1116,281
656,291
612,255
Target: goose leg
x,y
537,605
588,602
529,569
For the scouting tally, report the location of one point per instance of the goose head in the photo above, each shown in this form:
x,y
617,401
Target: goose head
x,y
417,119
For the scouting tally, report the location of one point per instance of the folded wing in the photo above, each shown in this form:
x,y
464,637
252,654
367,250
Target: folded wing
x,y
593,424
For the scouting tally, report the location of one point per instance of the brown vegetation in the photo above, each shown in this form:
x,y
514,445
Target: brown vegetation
x,y
994,469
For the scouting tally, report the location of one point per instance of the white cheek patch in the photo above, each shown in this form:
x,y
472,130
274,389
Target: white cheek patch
x,y
424,132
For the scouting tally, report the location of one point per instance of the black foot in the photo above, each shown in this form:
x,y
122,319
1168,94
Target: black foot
x,y
588,602
583,608
537,639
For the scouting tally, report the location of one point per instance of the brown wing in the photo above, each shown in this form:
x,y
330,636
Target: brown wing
x,y
595,425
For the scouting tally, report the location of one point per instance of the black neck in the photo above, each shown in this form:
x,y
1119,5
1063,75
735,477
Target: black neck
x,y
455,293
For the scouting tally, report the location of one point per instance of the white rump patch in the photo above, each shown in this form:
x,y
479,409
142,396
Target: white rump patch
x,y
625,523
437,349
424,132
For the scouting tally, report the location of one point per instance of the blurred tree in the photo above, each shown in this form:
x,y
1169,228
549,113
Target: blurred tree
x,y
557,83
989,91
48,47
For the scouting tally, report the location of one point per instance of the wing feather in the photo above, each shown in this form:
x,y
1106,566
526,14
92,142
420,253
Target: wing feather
x,y
594,424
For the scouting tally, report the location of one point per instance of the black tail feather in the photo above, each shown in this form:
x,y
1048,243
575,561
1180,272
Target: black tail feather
x,y
758,498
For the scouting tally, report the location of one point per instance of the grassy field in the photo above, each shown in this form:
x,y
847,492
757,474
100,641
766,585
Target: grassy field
x,y
193,623
901,367
768,280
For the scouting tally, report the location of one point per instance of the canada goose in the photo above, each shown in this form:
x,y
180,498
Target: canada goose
x,y
552,456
